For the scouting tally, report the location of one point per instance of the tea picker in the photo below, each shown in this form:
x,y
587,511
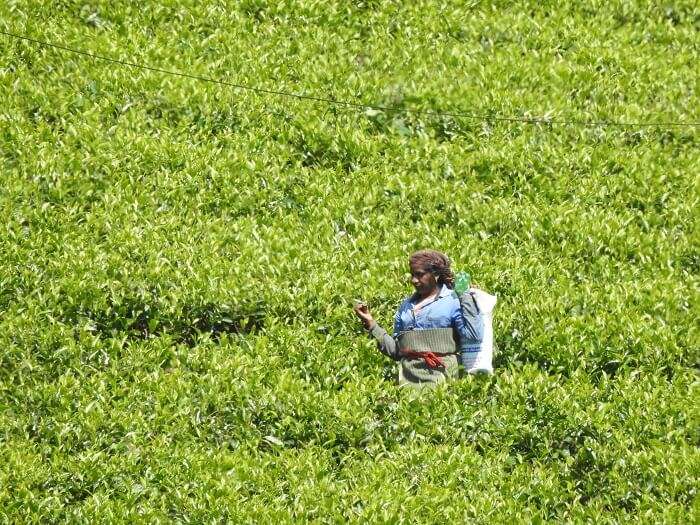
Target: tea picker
x,y
434,327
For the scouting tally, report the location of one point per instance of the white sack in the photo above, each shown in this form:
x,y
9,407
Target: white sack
x,y
482,361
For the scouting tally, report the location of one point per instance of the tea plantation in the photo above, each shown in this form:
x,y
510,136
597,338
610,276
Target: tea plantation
x,y
178,260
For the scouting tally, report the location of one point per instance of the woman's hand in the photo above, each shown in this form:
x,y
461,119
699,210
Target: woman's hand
x,y
362,311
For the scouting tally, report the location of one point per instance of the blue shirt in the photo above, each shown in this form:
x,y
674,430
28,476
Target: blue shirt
x,y
443,312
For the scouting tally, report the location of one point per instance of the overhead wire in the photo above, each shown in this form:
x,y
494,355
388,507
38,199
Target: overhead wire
x,y
351,104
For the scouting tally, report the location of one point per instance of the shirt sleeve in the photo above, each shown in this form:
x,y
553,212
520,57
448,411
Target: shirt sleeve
x,y
385,342
468,322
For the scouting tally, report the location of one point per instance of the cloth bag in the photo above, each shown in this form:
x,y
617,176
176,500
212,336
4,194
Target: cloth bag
x,y
481,361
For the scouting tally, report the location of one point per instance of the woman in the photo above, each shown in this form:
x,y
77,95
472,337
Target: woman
x,y
431,326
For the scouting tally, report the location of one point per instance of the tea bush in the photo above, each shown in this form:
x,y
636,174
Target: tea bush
x,y
180,259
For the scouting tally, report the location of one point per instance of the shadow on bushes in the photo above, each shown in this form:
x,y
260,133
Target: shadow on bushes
x,y
139,321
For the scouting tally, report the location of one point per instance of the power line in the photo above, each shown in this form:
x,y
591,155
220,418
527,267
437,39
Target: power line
x,y
355,105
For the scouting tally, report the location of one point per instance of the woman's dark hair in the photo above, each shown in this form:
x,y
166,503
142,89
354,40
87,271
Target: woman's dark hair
x,y
436,263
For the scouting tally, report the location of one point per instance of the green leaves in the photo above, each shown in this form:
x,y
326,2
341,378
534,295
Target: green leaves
x,y
179,258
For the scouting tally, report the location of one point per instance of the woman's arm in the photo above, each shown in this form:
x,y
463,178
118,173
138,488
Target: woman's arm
x,y
385,342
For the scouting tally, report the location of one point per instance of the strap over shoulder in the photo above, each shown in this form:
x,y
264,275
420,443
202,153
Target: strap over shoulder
x,y
473,320
468,304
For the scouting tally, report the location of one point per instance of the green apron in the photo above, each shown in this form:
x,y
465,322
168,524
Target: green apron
x,y
414,370
419,371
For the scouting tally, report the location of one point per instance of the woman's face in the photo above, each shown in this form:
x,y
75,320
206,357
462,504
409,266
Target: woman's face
x,y
422,280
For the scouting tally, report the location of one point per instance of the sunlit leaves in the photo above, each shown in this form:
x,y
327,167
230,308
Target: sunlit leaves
x,y
180,258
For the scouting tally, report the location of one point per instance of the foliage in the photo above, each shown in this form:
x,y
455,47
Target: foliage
x,y
180,258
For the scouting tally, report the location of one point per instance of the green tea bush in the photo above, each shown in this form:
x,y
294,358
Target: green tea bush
x,y
179,260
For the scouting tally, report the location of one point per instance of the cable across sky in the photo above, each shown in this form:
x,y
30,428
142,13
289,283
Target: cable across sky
x,y
355,105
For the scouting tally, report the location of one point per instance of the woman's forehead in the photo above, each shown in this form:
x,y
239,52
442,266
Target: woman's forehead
x,y
418,265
